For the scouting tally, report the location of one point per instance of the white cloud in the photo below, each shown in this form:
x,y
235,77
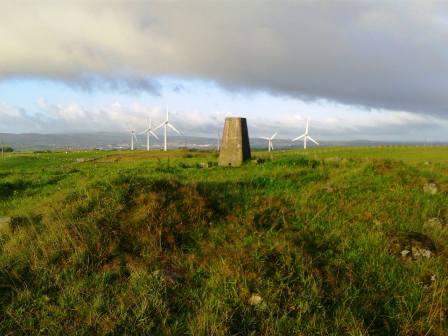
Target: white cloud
x,y
120,117
8,111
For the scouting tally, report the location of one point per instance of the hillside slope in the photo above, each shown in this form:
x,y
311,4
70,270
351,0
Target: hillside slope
x,y
323,242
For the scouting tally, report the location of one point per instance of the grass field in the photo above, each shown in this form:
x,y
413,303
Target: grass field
x,y
328,241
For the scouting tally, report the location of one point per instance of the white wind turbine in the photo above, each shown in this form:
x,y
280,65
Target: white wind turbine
x,y
149,131
165,125
133,137
305,136
270,145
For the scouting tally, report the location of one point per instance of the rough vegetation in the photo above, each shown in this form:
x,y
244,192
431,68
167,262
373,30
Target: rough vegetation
x,y
6,149
299,243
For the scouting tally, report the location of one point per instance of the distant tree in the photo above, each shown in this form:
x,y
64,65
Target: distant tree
x,y
7,149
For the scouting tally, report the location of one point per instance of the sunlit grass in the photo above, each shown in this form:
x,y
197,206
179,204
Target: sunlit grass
x,y
155,243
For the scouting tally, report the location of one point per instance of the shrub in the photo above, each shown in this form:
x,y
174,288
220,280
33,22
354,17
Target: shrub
x,y
7,149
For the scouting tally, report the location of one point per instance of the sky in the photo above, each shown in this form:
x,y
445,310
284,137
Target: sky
x,y
371,70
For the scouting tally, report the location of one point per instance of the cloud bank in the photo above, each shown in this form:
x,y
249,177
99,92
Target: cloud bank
x,y
378,54
119,117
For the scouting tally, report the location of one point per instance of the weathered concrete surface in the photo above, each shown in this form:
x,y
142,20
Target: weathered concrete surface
x,y
235,147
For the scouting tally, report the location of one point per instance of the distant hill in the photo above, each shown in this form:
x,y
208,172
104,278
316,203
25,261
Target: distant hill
x,y
111,140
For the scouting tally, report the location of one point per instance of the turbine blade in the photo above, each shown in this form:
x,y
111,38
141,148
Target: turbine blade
x,y
265,138
313,140
298,138
160,126
274,135
154,135
173,128
143,132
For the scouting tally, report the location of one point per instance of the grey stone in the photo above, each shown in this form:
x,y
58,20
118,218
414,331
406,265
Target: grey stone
x,y
235,147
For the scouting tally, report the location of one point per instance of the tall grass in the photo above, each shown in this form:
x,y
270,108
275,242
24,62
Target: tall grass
x,y
141,244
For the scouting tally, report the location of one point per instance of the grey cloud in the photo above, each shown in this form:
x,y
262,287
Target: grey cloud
x,y
380,54
92,83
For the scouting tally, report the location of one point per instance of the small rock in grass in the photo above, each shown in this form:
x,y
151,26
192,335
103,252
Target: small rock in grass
x,y
203,165
420,252
414,246
430,188
255,299
416,253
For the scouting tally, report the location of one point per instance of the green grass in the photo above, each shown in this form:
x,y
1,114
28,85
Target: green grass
x,y
143,243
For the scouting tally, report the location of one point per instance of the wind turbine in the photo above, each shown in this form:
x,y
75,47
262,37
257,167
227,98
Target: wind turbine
x,y
305,136
165,125
270,145
133,136
149,131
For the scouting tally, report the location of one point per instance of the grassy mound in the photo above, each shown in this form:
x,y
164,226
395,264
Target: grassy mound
x,y
292,245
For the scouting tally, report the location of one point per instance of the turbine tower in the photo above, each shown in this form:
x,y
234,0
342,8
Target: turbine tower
x,y
133,136
305,136
165,125
149,131
270,145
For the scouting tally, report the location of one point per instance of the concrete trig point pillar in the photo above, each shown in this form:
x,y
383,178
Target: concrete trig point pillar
x,y
235,147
